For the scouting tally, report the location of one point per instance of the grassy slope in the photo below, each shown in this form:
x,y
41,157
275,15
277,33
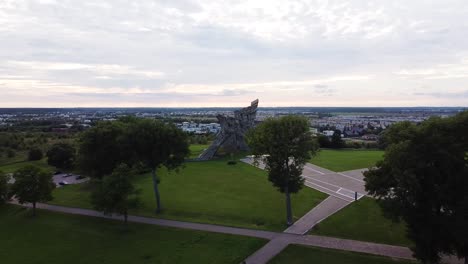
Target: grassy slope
x,y
344,160
212,192
364,221
295,254
58,238
196,150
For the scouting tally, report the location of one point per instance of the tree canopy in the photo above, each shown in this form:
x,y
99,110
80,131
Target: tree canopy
x,y
423,180
4,190
35,154
287,145
61,155
116,193
103,147
158,144
133,141
32,185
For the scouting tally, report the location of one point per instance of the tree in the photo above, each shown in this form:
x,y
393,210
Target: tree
x,y
61,155
336,141
157,144
323,141
423,180
35,154
115,193
4,190
32,185
288,145
103,147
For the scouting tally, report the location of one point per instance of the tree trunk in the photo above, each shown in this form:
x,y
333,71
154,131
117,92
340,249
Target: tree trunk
x,y
156,191
34,209
289,220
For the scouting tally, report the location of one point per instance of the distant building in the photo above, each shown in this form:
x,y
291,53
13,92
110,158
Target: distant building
x,y
328,133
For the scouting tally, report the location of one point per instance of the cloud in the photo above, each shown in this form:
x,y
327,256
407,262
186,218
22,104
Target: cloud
x,y
207,52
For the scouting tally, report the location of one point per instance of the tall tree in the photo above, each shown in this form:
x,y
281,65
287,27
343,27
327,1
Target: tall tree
x,y
336,141
32,185
423,180
287,145
103,147
115,193
158,144
61,155
4,190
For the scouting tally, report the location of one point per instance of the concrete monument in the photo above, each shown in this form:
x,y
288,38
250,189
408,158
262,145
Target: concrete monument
x,y
233,129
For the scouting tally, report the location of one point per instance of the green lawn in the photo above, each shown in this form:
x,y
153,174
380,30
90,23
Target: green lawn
x,y
11,167
196,150
211,192
295,254
344,160
59,238
363,220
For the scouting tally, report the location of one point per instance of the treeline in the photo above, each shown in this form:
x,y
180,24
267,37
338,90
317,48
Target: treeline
x,y
16,143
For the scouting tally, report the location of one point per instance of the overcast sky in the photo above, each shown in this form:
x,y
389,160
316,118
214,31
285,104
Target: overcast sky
x,y
68,53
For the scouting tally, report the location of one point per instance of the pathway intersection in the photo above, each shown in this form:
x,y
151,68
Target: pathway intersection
x,y
343,188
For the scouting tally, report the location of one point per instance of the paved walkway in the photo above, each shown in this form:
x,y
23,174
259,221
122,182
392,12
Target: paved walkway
x,y
342,188
326,208
278,241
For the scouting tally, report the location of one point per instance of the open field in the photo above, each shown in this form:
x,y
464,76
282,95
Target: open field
x,y
363,220
59,238
295,254
344,160
211,192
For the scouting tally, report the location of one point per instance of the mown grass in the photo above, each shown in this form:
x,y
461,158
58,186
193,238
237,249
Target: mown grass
x,y
56,238
344,160
211,192
197,149
12,167
295,254
363,220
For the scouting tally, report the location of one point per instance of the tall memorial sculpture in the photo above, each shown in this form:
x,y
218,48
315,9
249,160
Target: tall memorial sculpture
x,y
233,129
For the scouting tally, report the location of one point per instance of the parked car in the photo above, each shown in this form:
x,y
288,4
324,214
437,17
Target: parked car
x,y
63,183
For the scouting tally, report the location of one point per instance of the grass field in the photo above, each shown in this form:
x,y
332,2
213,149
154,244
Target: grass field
x,y
56,238
196,150
344,160
295,254
211,192
11,167
363,220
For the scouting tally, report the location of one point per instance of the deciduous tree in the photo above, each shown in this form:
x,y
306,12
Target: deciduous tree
x,y
103,147
61,155
158,144
423,180
116,193
4,190
32,185
288,145
35,154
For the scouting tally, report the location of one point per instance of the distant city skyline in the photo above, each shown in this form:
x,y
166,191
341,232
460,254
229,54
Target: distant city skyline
x,y
184,53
